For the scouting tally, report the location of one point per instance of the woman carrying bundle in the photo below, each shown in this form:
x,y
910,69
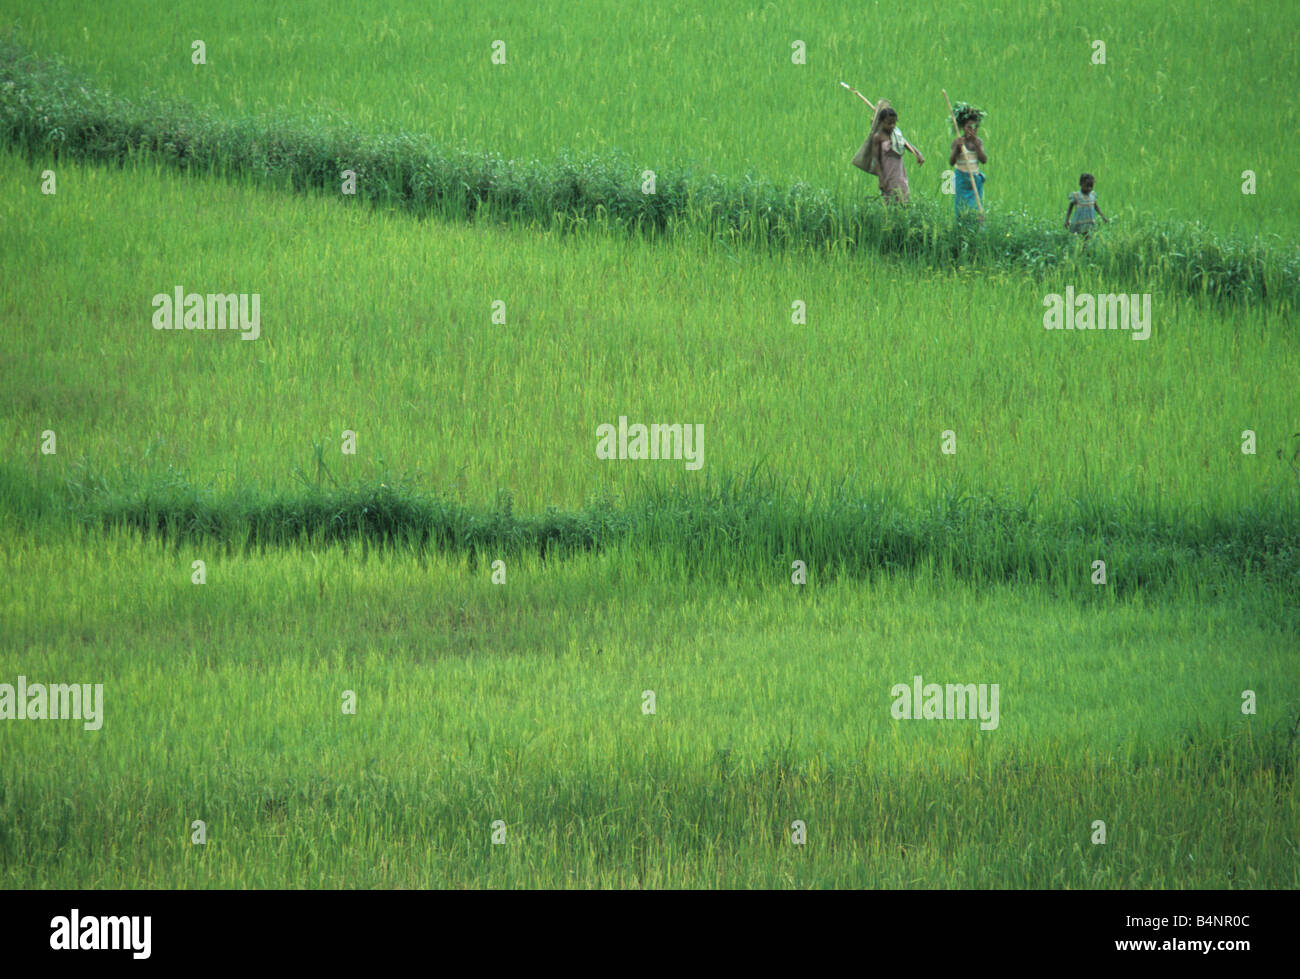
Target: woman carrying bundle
x,y
882,154
965,158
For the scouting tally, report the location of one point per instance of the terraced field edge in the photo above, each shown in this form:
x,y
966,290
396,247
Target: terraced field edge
x,y
49,112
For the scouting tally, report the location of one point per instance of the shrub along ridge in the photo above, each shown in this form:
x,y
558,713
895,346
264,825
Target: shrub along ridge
x,y
46,111
737,525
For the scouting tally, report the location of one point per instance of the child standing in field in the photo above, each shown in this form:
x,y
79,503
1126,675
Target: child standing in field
x,y
1085,200
884,154
965,157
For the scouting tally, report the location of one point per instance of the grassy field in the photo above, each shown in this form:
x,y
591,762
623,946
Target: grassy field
x,y
523,703
522,699
717,86
383,327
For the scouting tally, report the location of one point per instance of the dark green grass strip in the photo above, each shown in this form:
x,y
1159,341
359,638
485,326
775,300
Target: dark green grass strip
x,y
47,112
717,528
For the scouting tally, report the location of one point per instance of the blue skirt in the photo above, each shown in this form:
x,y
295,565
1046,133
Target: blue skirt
x,y
965,191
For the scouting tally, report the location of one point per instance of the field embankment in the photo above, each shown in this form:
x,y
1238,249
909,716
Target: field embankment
x,y
47,111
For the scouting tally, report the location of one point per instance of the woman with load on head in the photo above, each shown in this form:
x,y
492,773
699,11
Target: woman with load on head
x,y
965,158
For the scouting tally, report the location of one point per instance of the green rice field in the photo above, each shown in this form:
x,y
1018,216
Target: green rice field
x,y
371,609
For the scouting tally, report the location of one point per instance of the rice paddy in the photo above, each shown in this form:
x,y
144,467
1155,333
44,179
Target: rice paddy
x,y
367,601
